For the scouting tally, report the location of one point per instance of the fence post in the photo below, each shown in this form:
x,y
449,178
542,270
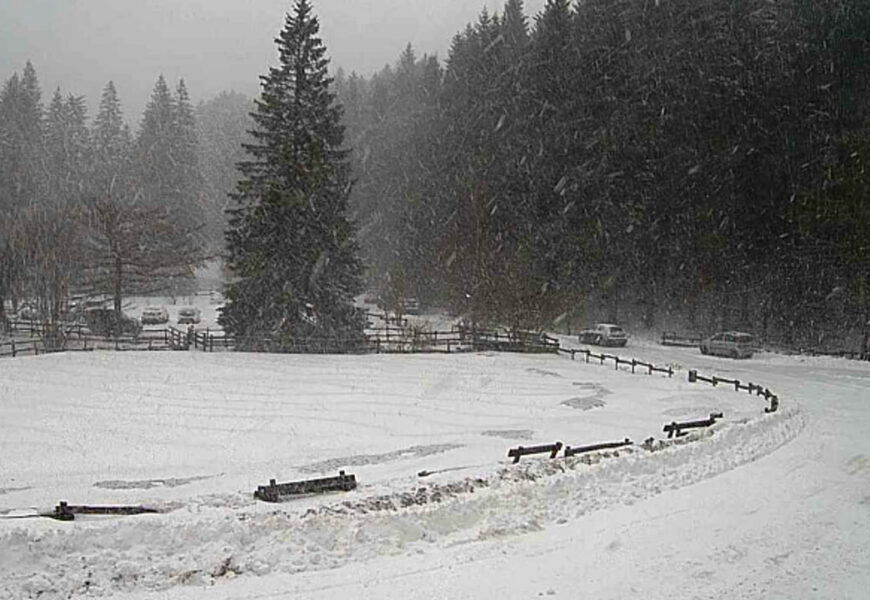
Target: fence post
x,y
13,348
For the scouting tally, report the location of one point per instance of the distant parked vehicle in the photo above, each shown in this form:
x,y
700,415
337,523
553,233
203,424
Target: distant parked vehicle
x,y
411,306
28,312
604,334
189,315
106,322
153,315
734,344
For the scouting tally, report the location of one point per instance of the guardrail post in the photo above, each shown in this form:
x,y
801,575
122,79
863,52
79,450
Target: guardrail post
x,y
13,348
693,376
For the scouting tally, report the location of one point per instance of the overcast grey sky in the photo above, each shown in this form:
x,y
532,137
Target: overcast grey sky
x,y
215,45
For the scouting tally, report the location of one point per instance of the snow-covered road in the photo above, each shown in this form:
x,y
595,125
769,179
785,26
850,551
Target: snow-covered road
x,y
765,507
794,524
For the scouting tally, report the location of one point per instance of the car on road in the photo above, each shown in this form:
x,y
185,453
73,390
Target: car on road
x,y
604,334
106,322
733,344
154,315
189,315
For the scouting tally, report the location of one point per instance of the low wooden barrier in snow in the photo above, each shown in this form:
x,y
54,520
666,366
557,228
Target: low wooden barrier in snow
x,y
676,429
520,451
274,492
569,451
589,356
752,388
67,512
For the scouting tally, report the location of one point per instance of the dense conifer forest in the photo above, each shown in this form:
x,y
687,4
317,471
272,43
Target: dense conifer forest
x,y
668,164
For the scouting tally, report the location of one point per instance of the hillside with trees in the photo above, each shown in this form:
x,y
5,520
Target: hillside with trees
x,y
670,164
89,208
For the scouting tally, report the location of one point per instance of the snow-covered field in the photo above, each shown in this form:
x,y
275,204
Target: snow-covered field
x,y
759,506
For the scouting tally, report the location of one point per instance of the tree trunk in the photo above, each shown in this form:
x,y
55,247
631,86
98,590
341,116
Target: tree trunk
x,y
117,280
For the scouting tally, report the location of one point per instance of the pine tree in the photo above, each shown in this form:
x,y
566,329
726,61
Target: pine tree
x,y
21,121
132,246
222,123
188,184
290,246
169,181
154,148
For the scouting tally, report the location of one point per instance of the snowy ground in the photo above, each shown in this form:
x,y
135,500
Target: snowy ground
x,y
761,506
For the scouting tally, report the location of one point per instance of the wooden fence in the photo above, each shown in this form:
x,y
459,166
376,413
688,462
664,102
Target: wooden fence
x,y
602,358
389,340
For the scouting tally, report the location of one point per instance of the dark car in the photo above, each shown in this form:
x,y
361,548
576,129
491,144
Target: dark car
x,y
152,315
411,306
106,322
189,315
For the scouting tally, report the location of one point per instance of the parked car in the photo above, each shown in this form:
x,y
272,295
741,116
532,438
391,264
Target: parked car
x,y
28,312
189,314
734,344
604,334
411,306
152,315
106,322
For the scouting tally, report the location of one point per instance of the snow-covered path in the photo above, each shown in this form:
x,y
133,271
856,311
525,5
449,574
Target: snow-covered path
x,y
733,515
793,525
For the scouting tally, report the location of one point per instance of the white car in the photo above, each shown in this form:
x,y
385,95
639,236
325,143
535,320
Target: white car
x,y
734,344
604,334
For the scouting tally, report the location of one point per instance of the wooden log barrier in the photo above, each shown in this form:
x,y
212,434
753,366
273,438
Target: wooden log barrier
x,y
520,451
67,512
676,429
774,404
274,492
569,451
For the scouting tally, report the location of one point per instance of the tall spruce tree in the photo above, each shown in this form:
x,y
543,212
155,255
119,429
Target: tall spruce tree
x,y
291,248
